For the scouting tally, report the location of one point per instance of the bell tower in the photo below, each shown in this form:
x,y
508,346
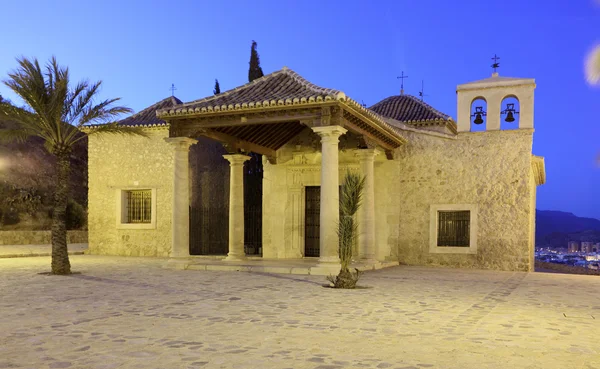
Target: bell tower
x,y
491,101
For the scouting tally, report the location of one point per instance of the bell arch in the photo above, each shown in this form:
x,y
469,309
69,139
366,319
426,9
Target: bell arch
x,y
478,114
510,108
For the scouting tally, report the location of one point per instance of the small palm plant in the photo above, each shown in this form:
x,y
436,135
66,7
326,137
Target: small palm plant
x,y
350,201
56,112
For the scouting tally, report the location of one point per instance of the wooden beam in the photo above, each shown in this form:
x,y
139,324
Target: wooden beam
x,y
236,143
243,121
356,129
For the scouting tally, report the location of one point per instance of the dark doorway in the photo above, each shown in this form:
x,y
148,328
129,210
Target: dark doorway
x,y
253,185
312,221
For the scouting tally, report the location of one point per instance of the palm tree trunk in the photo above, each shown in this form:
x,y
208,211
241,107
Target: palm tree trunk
x,y
60,255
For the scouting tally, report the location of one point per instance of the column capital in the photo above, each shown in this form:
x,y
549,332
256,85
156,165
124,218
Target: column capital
x,y
236,159
367,154
329,132
181,143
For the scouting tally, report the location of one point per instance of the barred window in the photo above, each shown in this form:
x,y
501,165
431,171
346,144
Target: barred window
x,y
454,228
138,206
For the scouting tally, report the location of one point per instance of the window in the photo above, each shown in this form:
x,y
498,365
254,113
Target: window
x,y
139,206
136,208
453,229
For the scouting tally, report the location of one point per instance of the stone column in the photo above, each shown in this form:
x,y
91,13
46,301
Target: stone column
x,y
330,182
180,221
236,206
366,211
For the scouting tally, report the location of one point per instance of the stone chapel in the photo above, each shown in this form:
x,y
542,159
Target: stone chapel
x,y
255,172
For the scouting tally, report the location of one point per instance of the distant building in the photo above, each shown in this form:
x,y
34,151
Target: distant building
x,y
573,246
587,246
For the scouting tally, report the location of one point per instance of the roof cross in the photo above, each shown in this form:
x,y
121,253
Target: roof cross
x,y
401,78
173,88
496,65
422,92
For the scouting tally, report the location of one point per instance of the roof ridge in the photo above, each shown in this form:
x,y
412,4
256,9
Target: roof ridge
x,y
173,99
285,70
414,98
441,116
311,86
229,92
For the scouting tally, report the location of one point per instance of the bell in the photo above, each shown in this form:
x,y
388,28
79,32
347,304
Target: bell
x,y
479,120
509,117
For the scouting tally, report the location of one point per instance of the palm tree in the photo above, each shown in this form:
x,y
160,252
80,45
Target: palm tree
x,y
592,67
56,112
350,202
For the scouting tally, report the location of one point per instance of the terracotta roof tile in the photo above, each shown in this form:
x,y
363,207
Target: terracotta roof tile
x,y
147,117
409,109
284,87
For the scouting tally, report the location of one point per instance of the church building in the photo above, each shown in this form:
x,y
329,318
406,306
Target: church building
x,y
255,173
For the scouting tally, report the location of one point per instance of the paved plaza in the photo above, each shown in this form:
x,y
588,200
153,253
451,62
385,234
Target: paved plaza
x,y
132,313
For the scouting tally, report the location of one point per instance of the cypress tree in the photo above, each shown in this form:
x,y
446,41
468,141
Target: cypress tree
x,y
217,89
255,70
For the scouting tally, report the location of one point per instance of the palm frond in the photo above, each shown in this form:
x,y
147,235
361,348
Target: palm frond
x,y
103,112
351,195
25,119
56,111
13,135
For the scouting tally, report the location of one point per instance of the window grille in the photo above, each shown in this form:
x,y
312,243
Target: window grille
x,y
139,206
454,228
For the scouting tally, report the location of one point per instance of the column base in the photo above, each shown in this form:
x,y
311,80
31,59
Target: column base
x,y
235,257
179,255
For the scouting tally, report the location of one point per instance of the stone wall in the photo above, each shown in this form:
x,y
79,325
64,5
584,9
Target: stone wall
x,y
298,166
38,237
117,162
490,169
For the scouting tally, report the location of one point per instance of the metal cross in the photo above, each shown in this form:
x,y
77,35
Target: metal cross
x,y
422,92
173,88
496,65
401,78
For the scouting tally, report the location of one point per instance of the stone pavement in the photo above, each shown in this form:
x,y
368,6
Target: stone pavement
x,y
132,313
17,251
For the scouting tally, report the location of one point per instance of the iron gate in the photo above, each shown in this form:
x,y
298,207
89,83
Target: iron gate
x,y
209,230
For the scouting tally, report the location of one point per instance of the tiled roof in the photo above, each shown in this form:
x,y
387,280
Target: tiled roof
x,y
409,109
281,88
284,87
147,117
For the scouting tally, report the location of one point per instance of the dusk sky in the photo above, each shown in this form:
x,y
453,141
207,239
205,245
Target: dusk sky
x,y
138,48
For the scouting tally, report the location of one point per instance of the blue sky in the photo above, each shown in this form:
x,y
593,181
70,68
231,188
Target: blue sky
x,y
138,48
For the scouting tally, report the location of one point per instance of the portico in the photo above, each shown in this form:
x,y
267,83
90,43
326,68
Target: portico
x,y
286,130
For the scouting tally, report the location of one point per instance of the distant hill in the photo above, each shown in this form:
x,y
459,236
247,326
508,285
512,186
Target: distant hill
x,y
555,229
27,180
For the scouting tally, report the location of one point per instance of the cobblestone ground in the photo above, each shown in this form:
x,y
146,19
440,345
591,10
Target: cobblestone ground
x,y
131,313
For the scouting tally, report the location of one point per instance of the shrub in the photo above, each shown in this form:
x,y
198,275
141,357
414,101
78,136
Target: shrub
x,y
76,215
10,217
